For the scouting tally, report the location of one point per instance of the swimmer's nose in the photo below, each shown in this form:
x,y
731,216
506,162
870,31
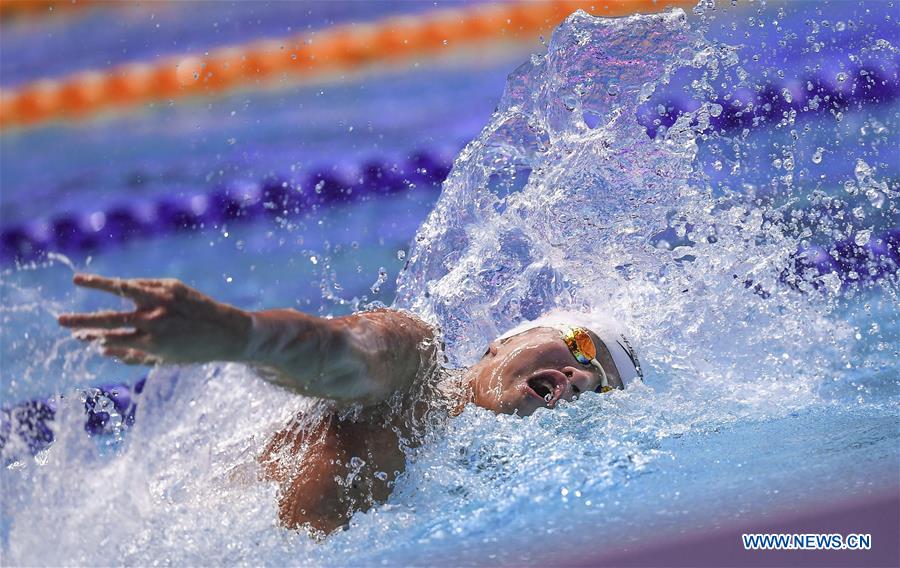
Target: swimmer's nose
x,y
579,380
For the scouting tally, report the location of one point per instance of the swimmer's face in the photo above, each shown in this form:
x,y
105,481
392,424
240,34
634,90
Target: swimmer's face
x,y
534,370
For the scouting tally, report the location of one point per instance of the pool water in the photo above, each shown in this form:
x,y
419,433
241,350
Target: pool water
x,y
767,391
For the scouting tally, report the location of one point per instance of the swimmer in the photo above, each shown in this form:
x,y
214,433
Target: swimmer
x,y
376,368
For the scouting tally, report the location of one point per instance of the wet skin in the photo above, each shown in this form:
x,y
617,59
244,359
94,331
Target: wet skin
x,y
517,376
364,360
533,370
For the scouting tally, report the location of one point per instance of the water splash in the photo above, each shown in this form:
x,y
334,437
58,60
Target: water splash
x,y
563,200
548,209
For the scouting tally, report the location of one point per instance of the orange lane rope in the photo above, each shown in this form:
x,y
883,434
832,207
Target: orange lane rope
x,y
309,56
14,9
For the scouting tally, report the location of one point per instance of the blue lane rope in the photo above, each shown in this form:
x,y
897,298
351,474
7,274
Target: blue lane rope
x,y
874,81
878,258
273,197
29,422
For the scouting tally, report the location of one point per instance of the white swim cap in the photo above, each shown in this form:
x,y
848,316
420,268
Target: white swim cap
x,y
623,354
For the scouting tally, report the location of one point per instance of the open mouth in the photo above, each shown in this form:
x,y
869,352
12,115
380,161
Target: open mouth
x,y
547,385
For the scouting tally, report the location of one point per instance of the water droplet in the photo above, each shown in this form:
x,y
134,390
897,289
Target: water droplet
x,y
862,237
817,155
788,163
382,278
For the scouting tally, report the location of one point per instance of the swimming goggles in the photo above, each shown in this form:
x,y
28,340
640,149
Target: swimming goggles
x,y
579,342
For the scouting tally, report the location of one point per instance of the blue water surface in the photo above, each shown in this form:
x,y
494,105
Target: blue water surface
x,y
754,406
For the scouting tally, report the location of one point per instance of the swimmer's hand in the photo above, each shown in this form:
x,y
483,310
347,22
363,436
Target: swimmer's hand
x,y
171,323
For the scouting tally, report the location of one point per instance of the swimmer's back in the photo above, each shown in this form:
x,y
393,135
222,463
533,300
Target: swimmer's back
x,y
330,470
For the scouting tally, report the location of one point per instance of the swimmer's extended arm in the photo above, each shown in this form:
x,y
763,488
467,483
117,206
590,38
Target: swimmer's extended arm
x,y
363,357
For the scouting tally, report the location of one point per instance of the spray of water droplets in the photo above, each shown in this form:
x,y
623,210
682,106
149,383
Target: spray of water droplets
x,y
563,200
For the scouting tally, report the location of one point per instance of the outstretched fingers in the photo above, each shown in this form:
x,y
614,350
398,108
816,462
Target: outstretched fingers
x,y
99,320
111,338
127,336
140,292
